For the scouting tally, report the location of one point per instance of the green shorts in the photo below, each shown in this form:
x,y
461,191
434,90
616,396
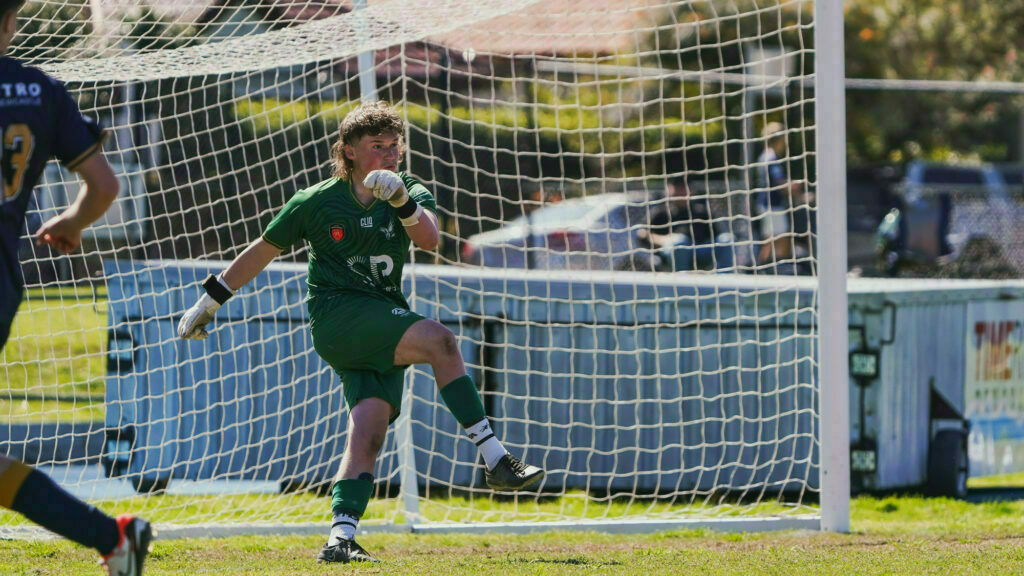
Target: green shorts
x,y
357,335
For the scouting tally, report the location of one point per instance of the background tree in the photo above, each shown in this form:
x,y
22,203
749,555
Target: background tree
x,y
47,31
964,40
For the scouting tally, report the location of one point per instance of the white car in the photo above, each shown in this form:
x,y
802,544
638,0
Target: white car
x,y
590,233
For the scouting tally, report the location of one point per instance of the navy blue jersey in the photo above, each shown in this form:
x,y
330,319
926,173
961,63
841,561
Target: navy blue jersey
x,y
38,121
771,180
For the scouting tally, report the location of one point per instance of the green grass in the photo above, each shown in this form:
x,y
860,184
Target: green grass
x,y
898,535
54,364
21,411
1015,480
57,358
938,517
484,507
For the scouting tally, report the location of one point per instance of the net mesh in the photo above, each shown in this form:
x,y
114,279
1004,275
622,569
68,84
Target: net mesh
x,y
661,371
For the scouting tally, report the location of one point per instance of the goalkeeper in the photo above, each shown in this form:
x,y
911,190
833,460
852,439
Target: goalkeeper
x,y
359,225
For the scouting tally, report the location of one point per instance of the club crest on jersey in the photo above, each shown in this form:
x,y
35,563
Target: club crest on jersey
x,y
337,232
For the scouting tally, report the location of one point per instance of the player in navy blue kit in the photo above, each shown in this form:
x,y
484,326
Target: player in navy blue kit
x,y
39,121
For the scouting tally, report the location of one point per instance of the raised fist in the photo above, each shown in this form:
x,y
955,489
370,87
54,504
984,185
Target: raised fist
x,y
387,186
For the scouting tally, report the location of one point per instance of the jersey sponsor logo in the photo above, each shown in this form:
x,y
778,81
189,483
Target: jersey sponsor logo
x,y
337,232
366,222
20,89
20,94
376,262
399,311
354,265
379,268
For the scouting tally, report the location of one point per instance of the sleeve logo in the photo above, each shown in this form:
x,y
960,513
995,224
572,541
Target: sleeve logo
x,y
337,232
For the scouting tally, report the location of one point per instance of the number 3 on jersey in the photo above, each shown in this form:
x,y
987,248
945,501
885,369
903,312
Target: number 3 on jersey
x,y
15,155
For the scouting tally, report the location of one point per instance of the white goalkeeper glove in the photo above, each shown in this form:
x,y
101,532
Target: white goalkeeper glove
x,y
387,186
193,324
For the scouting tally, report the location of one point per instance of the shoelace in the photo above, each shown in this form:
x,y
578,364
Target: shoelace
x,y
518,466
355,549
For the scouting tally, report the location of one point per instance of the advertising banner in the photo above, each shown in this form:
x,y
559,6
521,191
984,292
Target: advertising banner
x,y
994,380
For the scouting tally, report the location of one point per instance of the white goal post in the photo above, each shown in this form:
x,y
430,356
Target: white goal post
x,y
681,376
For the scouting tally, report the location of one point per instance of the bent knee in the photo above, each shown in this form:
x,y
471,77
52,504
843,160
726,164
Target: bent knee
x,y
446,343
440,342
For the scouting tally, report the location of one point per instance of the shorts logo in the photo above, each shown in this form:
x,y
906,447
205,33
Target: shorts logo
x,y
337,232
399,311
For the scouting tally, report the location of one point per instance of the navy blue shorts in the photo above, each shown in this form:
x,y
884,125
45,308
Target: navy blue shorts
x,y
9,301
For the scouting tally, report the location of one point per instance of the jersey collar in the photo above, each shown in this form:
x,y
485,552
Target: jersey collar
x,y
352,192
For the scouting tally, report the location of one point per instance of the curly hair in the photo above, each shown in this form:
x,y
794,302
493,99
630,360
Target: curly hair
x,y
366,119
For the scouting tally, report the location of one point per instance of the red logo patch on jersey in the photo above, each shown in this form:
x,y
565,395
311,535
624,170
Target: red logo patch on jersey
x,y
337,232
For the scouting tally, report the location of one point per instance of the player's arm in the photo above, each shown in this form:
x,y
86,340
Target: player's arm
x,y
657,240
218,289
64,231
424,233
420,224
658,232
249,263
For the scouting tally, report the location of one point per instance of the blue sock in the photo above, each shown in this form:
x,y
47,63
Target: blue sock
x,y
42,501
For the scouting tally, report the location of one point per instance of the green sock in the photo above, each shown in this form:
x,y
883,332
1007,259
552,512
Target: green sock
x,y
463,400
351,495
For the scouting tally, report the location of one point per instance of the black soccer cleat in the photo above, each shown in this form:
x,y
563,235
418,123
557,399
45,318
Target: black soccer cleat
x,y
344,551
510,473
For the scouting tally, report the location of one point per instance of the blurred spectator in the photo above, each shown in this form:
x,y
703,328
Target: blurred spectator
x,y
783,213
539,198
682,232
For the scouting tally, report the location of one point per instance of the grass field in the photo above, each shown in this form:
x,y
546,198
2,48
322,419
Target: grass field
x,y
306,507
54,364
56,370
897,535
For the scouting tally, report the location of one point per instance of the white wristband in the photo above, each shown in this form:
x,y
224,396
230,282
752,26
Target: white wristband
x,y
414,219
220,278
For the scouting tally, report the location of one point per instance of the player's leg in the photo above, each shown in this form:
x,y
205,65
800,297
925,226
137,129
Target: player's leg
x,y
778,243
680,255
357,335
429,342
10,299
122,542
353,486
371,334
724,251
35,495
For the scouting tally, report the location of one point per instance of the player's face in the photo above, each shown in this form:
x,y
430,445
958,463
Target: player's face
x,y
375,152
8,26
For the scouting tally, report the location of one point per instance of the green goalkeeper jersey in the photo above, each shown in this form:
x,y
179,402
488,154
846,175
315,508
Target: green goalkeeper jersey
x,y
352,247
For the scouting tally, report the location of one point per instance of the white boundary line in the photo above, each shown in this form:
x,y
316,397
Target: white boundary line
x,y
609,525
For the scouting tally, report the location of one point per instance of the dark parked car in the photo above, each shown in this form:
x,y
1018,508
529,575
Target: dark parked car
x,y
943,210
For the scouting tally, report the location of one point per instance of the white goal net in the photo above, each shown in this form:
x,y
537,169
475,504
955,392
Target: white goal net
x,y
627,195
